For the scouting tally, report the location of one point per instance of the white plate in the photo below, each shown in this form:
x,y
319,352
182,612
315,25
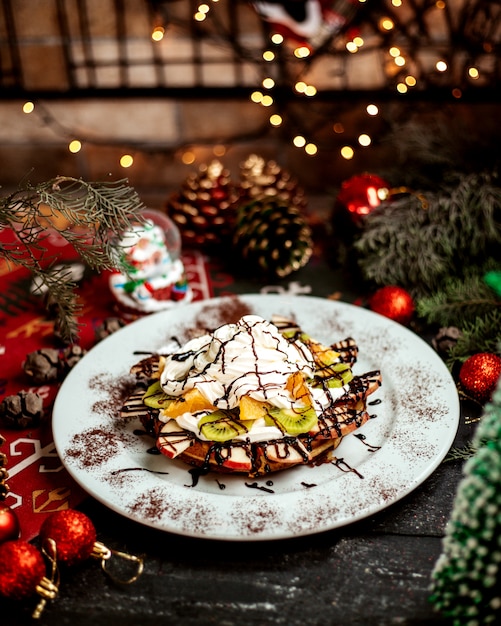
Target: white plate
x,y
414,426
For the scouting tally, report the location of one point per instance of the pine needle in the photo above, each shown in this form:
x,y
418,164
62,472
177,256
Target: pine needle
x,y
89,216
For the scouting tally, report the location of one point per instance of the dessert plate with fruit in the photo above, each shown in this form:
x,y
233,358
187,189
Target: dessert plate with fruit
x,y
255,417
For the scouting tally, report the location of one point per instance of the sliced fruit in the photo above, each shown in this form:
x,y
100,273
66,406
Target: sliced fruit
x,y
322,355
191,402
238,458
286,453
173,440
292,422
297,388
221,426
156,397
251,409
336,375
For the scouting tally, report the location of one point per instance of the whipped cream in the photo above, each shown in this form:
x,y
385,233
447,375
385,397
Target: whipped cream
x,y
249,358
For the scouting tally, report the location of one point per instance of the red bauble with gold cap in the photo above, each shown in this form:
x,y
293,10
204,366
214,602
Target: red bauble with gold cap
x,y
361,194
73,533
9,523
22,568
479,375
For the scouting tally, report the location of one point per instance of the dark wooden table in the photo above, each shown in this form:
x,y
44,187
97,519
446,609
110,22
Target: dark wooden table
x,y
375,571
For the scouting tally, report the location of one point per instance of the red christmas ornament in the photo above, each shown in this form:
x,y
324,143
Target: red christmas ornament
x,y
479,375
21,569
73,533
393,302
361,194
9,524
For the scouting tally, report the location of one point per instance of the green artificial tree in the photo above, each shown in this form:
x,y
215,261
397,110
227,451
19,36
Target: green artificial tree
x,y
466,580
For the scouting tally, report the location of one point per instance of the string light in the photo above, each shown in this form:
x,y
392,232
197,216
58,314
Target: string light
x,y
364,140
400,61
299,141
351,47
276,120
410,81
372,109
201,13
300,86
338,128
473,73
385,23
158,33
219,150
311,149
266,101
268,55
188,157
394,51
256,96
277,38
441,66
75,146
126,160
302,52
347,152
402,88
268,83
28,107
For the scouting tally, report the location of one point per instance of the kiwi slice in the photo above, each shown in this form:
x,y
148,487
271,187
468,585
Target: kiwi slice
x,y
221,426
292,422
155,397
337,375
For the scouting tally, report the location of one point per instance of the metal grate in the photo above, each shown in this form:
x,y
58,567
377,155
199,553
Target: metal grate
x,y
85,47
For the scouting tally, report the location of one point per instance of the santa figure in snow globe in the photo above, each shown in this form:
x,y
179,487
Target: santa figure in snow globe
x,y
153,278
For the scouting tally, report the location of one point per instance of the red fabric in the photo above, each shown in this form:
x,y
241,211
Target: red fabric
x,y
39,484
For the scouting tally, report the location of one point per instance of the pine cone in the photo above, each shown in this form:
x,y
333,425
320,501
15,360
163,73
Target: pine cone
x,y
272,237
204,209
23,410
260,178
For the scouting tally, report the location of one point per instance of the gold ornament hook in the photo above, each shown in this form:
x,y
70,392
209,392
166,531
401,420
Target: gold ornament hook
x,y
48,588
104,554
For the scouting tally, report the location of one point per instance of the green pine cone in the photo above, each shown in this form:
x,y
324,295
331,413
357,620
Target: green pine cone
x,y
272,238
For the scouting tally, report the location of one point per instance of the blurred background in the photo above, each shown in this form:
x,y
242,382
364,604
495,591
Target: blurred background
x,y
152,89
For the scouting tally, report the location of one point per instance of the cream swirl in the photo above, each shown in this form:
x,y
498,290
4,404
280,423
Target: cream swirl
x,y
249,357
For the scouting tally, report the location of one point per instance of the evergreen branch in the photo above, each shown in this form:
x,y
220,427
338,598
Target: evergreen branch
x,y
481,335
89,216
462,454
419,249
459,302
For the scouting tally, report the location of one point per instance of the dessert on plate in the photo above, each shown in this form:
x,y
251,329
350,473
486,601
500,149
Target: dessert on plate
x,y
251,397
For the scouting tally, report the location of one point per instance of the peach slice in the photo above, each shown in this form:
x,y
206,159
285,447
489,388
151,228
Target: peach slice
x,y
251,409
191,402
297,388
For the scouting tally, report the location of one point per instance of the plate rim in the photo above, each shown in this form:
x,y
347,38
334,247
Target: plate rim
x,y
81,478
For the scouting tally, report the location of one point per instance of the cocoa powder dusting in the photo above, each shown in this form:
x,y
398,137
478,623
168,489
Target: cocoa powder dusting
x,y
227,312
117,391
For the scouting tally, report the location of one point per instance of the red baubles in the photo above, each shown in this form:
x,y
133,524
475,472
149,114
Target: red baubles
x,y
393,302
9,524
73,533
22,569
479,375
361,194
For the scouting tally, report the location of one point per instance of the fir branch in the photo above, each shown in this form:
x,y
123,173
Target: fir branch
x,y
403,243
482,335
89,216
459,302
462,454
